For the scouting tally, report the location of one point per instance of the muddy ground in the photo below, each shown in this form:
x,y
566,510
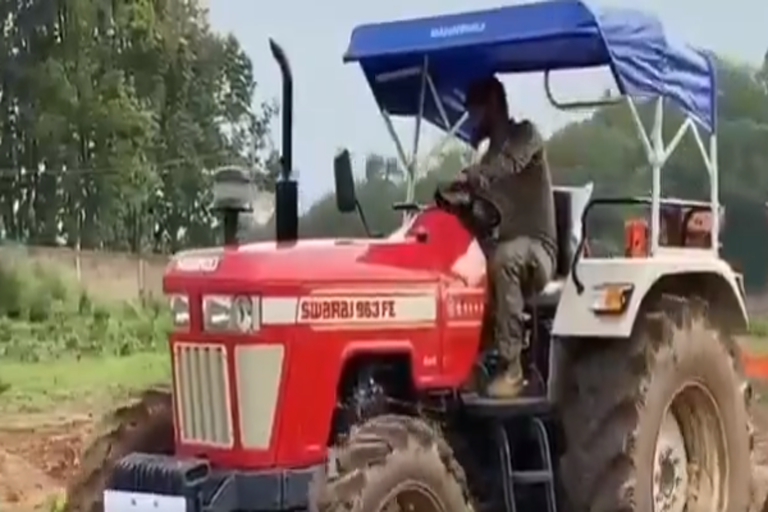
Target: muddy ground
x,y
39,453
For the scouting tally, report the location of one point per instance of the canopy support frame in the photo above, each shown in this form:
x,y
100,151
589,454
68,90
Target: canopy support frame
x,y
657,151
410,161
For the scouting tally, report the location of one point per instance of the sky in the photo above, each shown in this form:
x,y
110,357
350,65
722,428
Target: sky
x,y
333,106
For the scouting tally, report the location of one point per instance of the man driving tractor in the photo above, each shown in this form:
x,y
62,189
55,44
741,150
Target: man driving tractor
x,y
521,254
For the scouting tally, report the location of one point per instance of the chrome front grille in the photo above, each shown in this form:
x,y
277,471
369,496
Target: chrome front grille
x,y
203,394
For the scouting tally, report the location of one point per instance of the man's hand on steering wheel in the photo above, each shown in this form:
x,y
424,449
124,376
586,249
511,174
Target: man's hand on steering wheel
x,y
474,176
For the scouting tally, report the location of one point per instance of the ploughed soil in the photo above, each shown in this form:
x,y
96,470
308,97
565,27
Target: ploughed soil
x,y
39,453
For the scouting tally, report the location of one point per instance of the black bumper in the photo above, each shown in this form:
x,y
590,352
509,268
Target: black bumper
x,y
210,490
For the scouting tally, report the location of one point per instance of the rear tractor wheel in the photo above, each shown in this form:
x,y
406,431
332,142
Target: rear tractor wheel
x,y
659,423
391,464
145,425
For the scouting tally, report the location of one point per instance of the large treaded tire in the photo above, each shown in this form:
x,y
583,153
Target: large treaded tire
x,y
145,425
382,454
619,393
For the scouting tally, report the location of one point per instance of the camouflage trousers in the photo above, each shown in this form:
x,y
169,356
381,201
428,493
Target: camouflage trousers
x,y
516,269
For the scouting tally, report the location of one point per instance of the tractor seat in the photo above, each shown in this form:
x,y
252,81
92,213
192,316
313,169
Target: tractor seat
x,y
550,295
566,245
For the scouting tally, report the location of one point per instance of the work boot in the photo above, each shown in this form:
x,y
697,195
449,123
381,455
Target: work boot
x,y
509,384
474,384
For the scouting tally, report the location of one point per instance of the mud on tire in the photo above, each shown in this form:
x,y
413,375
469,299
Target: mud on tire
x,y
621,392
386,455
144,425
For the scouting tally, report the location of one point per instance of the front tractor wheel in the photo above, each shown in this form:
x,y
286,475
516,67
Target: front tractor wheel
x,y
391,463
658,423
143,426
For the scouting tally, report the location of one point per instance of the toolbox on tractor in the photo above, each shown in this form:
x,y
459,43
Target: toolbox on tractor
x,y
327,374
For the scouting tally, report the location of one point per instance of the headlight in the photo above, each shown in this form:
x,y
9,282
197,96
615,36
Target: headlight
x,y
179,311
610,298
225,313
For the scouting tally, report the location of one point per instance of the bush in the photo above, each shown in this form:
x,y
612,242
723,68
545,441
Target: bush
x,y
44,317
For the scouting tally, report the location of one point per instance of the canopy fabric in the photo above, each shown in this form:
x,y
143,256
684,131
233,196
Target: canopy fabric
x,y
549,35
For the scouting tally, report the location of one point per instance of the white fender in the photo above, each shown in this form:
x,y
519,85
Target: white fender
x,y
575,315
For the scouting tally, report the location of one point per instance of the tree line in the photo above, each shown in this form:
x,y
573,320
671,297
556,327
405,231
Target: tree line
x,y
114,115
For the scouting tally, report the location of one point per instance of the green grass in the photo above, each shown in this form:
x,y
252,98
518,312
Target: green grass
x,y
44,317
758,327
62,351
72,383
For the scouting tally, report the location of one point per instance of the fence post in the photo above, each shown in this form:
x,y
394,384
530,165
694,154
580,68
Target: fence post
x,y
142,274
78,263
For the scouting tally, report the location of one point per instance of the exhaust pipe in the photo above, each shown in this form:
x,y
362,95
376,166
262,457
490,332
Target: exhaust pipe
x,y
286,188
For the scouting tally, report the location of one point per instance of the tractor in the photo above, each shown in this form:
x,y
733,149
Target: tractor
x,y
328,375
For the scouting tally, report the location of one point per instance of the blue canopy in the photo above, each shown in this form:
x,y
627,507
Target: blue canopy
x,y
550,35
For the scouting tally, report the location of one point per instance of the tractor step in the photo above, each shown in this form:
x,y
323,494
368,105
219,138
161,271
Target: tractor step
x,y
485,406
543,477
531,477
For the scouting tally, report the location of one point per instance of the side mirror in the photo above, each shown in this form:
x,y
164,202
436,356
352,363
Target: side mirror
x,y
346,199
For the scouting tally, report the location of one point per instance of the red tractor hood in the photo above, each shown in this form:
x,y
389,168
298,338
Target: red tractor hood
x,y
432,246
431,249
